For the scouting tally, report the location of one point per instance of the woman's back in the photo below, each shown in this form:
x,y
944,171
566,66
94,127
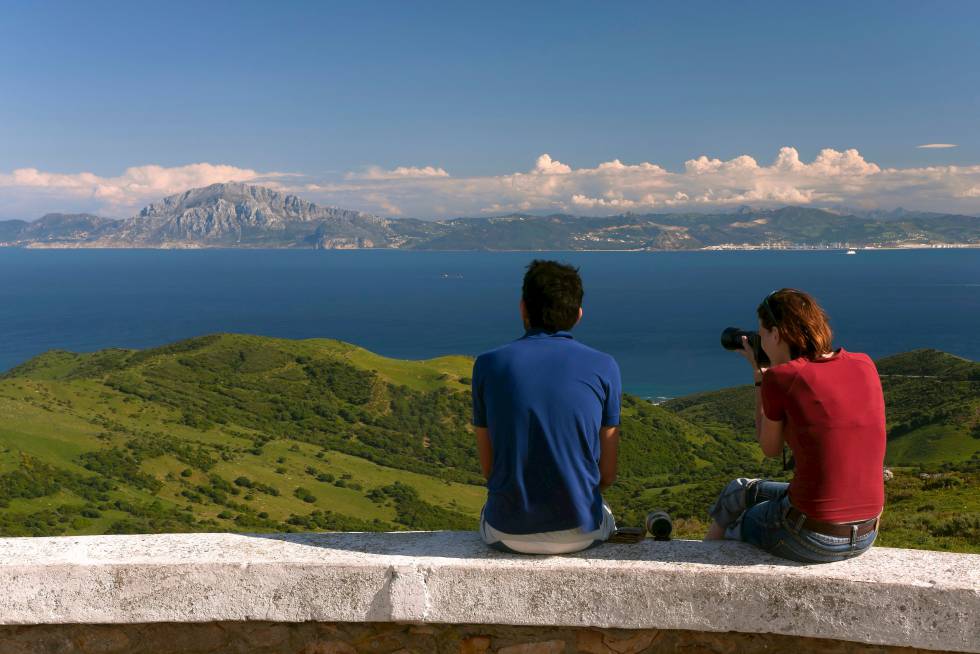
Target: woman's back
x,y
835,425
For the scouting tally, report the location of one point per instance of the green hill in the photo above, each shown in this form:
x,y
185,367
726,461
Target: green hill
x,y
933,407
252,433
246,433
932,404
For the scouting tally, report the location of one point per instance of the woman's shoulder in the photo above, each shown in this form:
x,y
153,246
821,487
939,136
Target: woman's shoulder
x,y
789,369
859,358
783,374
843,362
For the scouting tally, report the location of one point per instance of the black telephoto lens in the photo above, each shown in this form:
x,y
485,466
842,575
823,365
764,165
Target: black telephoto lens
x,y
659,525
731,339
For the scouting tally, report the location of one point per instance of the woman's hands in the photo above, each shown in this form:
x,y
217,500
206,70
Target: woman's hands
x,y
749,355
769,433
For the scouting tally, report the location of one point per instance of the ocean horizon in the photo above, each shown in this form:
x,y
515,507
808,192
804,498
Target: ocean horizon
x,y
659,313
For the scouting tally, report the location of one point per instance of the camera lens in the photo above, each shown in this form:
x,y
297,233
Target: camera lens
x,y
731,338
659,525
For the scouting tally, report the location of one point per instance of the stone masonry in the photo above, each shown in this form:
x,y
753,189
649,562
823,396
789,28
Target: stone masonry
x,y
447,592
387,638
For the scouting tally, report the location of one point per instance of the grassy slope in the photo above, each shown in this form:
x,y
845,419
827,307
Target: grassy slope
x,y
171,430
322,434
933,407
59,406
932,401
933,410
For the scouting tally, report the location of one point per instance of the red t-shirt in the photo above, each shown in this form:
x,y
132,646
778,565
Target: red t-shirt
x,y
835,424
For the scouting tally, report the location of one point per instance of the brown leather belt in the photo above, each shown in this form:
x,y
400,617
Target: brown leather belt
x,y
799,520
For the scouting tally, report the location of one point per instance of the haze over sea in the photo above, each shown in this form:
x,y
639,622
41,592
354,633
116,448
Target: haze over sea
x,y
659,314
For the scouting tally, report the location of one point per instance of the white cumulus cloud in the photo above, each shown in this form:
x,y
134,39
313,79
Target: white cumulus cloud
x,y
705,165
401,172
548,166
832,177
705,183
135,187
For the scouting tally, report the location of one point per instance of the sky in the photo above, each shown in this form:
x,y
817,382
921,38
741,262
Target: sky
x,y
438,109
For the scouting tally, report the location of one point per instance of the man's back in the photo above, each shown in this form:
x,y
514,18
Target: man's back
x,y
544,398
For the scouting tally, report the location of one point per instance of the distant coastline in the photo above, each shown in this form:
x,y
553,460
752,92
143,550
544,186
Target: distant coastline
x,y
710,248
241,216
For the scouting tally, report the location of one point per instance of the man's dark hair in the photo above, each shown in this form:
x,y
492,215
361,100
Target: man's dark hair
x,y
552,295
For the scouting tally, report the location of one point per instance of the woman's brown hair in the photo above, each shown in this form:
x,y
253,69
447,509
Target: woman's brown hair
x,y
801,322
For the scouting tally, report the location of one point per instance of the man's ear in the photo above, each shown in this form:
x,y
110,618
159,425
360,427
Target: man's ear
x,y
579,316
524,319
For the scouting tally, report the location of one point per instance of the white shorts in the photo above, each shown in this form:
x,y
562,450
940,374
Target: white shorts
x,y
564,541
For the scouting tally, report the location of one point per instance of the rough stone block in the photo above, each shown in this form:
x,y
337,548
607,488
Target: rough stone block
x,y
328,647
546,647
475,645
905,598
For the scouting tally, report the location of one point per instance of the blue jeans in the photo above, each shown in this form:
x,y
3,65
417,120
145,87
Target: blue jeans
x,y
754,511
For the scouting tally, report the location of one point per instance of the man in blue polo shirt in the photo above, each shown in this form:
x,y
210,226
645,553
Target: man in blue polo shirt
x,y
546,412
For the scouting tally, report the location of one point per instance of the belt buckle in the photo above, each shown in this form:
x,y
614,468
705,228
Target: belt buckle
x,y
854,532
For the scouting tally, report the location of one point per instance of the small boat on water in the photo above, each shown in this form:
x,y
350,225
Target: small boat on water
x,y
852,251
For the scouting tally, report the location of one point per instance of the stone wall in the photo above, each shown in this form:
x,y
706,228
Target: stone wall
x,y
357,592
387,638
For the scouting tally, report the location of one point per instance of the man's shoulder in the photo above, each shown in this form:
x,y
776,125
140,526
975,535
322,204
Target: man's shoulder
x,y
495,359
588,360
588,355
504,350
597,357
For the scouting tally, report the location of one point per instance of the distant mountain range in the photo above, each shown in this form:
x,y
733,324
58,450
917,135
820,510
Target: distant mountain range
x,y
244,216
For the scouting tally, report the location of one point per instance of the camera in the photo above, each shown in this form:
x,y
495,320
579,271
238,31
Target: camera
x,y
731,339
659,525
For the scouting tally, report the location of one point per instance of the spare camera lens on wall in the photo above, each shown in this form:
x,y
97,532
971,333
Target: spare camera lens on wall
x,y
659,525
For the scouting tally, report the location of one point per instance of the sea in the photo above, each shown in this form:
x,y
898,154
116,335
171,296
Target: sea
x,y
659,313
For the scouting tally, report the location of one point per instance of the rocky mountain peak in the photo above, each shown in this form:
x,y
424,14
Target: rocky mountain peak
x,y
238,194
229,192
236,213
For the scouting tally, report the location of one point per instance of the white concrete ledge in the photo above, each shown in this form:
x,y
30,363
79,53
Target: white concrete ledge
x,y
887,596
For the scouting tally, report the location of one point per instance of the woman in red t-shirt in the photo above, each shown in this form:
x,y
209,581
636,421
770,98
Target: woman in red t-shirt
x,y
827,406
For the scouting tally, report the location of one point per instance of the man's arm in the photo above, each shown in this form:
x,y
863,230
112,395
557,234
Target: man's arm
x,y
485,449
608,454
484,446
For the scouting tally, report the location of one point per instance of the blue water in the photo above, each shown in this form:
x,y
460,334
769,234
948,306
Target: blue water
x,y
659,314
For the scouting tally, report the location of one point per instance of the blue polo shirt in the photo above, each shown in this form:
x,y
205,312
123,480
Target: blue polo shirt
x,y
544,398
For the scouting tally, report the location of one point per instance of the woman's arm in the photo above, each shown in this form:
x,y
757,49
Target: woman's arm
x,y
769,433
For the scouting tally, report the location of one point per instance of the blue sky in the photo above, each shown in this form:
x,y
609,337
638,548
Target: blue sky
x,y
333,91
